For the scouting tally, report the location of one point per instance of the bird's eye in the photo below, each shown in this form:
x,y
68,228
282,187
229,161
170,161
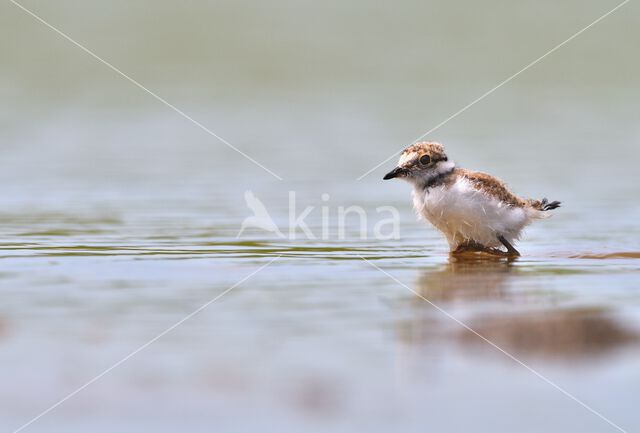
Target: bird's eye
x,y
425,160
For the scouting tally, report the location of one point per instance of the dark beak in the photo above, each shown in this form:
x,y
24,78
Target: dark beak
x,y
396,172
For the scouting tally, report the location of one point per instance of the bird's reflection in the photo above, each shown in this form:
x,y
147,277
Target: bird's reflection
x,y
467,278
487,294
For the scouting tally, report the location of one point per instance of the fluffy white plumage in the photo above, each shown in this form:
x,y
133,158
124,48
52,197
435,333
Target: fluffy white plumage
x,y
463,212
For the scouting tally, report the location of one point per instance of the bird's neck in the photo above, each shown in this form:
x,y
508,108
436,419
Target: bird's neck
x,y
437,176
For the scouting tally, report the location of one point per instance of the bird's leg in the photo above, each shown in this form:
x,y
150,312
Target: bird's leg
x,y
510,249
471,246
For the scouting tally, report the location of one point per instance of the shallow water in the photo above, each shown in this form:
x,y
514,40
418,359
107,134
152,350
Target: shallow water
x,y
120,218
319,339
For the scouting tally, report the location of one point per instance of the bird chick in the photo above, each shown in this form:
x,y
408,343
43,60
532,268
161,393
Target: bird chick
x,y
475,211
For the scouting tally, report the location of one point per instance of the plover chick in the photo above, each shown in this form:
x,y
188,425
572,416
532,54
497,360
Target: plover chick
x,y
474,210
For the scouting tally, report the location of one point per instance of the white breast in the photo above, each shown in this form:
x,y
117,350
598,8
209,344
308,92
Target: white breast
x,y
461,212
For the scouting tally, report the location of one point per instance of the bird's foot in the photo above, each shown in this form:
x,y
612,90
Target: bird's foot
x,y
472,248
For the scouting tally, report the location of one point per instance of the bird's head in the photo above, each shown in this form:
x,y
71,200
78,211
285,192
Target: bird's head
x,y
421,163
